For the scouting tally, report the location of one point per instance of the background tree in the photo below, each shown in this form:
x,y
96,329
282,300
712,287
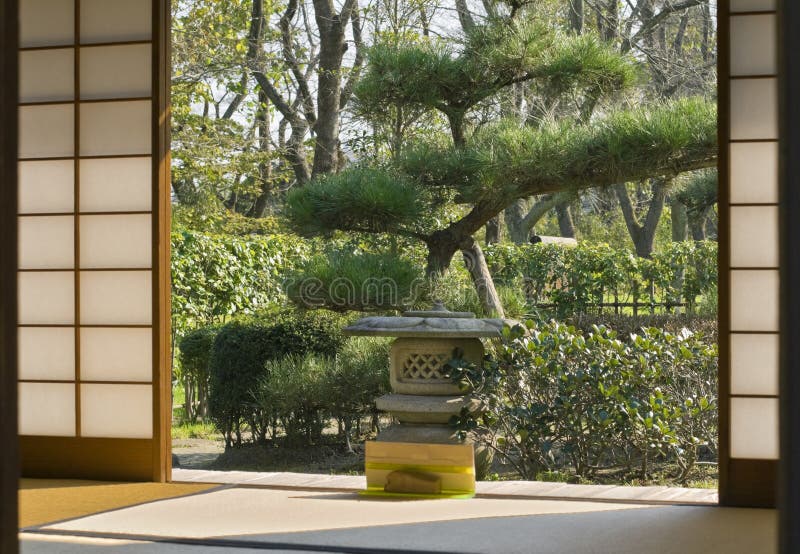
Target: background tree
x,y
674,44
259,90
475,175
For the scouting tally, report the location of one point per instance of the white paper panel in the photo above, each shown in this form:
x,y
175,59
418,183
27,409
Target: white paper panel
x,y
46,131
46,187
115,128
754,173
116,354
117,411
116,241
46,22
754,109
754,428
46,353
47,75
754,364
116,297
47,409
115,20
753,45
754,236
116,71
46,242
754,300
120,184
47,298
751,5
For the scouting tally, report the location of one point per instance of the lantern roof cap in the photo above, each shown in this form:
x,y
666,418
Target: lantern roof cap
x,y
437,322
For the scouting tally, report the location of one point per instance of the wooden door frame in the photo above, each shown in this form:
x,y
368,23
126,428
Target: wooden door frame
x,y
789,14
789,472
9,462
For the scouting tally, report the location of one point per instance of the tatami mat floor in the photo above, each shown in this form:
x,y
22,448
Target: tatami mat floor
x,y
244,519
511,489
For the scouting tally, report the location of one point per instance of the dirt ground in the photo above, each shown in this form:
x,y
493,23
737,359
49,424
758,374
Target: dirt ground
x,y
321,458
197,453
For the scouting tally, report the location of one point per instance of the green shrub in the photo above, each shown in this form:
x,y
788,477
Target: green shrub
x,y
570,280
194,356
216,277
303,392
554,398
292,390
359,376
626,325
241,350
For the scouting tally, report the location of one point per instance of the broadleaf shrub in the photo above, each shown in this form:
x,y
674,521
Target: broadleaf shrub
x,y
216,277
555,398
578,279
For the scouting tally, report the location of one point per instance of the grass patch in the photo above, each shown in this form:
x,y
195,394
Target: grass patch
x,y
195,431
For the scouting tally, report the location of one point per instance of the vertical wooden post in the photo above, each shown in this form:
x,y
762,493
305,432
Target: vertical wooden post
x,y
9,465
789,467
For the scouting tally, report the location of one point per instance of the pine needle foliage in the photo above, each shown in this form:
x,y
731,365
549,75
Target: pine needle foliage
x,y
515,161
359,281
453,77
700,191
360,199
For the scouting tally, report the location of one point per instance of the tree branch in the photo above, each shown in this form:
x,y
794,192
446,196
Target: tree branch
x,y
655,21
289,58
358,62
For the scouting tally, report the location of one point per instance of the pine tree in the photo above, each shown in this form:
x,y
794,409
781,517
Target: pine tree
x,y
477,172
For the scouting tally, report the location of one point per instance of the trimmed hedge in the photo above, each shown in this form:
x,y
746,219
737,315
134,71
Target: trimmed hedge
x,y
195,357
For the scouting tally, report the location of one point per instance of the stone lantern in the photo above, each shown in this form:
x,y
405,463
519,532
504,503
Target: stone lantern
x,y
423,398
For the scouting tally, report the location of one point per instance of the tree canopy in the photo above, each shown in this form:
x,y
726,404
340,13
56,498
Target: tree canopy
x,y
488,169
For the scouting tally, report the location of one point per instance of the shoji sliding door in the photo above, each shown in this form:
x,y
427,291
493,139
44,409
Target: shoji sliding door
x,y
93,238
749,252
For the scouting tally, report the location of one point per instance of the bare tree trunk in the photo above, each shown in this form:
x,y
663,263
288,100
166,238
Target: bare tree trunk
x,y
610,21
494,229
514,216
643,234
704,44
259,208
482,278
697,224
576,16
565,225
679,220
332,47
464,16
